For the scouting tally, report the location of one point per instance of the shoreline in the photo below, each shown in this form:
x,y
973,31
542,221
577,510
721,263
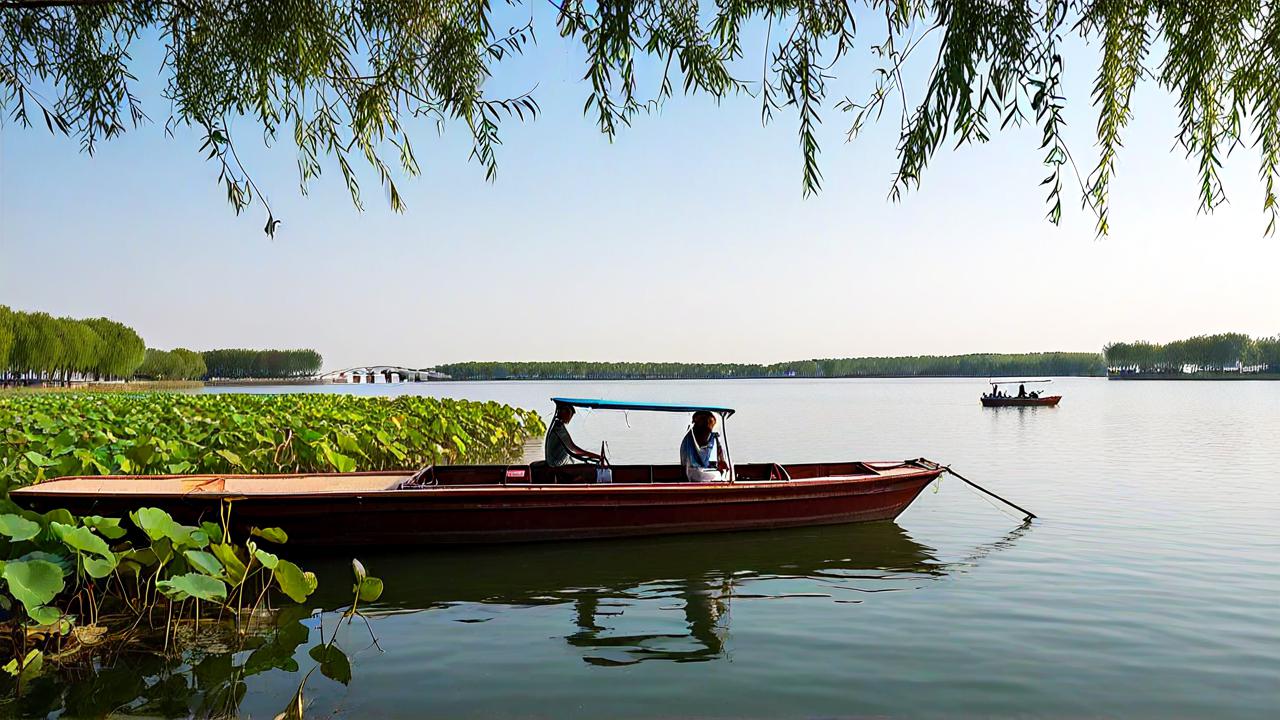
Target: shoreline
x,y
249,382
747,377
1200,377
105,387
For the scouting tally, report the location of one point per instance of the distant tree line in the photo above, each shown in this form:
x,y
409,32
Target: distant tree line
x,y
242,364
176,364
1224,352
38,347
977,365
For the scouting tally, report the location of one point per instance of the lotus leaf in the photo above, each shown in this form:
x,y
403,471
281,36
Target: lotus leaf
x,y
163,549
232,458
81,539
45,615
205,562
369,589
271,534
348,443
212,530
234,566
334,663
60,516
17,527
108,527
152,521
158,524
37,459
279,651
292,581
270,657
268,560
99,567
30,665
65,562
201,587
136,560
33,582
338,461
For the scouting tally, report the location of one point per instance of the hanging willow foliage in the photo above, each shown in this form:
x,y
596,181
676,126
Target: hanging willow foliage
x,y
342,77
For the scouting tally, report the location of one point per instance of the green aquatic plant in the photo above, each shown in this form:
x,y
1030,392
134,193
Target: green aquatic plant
x,y
44,436
69,583
331,660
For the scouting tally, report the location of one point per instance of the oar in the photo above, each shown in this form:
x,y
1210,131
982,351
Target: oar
x,y
1029,515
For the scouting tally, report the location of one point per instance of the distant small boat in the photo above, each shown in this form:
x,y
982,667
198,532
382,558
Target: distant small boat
x,y
998,398
1046,401
450,504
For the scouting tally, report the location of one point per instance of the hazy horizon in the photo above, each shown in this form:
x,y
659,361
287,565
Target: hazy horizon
x,y
687,240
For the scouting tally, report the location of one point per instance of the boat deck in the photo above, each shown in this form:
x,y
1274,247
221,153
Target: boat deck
x,y
218,484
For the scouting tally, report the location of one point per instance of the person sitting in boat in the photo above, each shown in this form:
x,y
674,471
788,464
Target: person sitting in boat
x,y
559,448
1022,390
701,452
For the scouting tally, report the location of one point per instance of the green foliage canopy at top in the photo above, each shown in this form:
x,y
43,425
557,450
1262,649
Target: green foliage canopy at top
x,y
342,78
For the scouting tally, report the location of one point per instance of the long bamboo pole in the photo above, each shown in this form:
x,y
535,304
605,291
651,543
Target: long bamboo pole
x,y
1030,515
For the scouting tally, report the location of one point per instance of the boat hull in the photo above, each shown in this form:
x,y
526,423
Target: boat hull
x,y
517,513
1048,401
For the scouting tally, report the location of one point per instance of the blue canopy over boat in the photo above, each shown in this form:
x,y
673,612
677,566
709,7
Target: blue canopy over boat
x,y
598,404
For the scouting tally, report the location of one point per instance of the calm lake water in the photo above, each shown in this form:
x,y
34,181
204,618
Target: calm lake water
x,y
1148,588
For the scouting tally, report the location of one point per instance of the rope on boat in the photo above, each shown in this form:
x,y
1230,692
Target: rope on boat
x,y
947,468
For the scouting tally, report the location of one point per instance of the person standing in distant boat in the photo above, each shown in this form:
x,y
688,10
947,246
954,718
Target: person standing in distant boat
x,y
559,448
701,452
1022,390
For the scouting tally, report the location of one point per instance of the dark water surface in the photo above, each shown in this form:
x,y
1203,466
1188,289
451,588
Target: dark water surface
x,y
1149,588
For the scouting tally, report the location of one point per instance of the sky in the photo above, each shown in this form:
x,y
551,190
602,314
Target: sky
x,y
686,239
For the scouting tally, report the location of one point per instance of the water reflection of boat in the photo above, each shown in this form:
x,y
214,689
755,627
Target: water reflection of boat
x,y
698,575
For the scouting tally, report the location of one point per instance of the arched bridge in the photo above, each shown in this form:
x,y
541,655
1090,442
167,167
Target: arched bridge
x,y
382,374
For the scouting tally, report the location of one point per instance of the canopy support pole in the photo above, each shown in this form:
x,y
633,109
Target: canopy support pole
x,y
728,458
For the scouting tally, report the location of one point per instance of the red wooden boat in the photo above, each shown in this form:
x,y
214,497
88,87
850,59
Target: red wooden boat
x,y
998,398
509,503
1045,401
